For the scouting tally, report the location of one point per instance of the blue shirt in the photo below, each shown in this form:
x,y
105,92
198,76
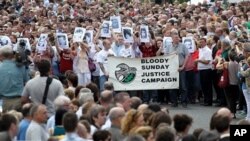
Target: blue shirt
x,y
23,126
12,79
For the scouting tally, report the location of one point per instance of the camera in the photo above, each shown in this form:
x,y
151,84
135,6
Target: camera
x,y
21,55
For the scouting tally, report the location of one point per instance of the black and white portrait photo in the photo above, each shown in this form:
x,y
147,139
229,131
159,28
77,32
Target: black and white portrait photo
x,y
88,36
144,33
79,34
167,44
127,33
116,24
42,42
189,43
105,31
62,40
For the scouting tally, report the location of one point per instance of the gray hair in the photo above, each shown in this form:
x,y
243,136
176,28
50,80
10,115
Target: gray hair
x,y
116,112
60,101
34,109
6,52
95,111
108,85
85,95
226,42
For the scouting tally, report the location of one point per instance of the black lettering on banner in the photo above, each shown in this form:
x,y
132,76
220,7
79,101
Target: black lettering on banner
x,y
155,80
239,132
148,61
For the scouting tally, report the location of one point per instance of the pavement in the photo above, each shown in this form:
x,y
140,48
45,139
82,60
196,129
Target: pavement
x,y
201,114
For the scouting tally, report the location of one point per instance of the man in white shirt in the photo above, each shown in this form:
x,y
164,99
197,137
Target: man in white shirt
x,y
204,63
36,130
102,60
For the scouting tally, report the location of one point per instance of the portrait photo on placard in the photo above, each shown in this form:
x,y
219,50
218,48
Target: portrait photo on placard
x,y
88,36
127,33
62,40
105,31
167,43
42,42
189,43
23,44
116,23
4,41
144,33
79,34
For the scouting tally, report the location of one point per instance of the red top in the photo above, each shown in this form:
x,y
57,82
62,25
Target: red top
x,y
218,53
148,51
66,63
190,62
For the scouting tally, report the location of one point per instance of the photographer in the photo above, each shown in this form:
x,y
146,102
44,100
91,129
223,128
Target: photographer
x,y
22,54
13,79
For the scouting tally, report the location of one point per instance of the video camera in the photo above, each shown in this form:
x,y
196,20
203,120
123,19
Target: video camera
x,y
21,55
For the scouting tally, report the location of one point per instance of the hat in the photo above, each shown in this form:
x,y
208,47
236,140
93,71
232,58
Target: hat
x,y
209,136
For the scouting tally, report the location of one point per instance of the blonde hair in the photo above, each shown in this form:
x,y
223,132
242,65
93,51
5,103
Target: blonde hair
x,y
17,115
129,121
69,93
144,131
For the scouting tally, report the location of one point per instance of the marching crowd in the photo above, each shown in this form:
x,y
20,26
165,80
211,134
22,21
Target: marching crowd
x,y
59,93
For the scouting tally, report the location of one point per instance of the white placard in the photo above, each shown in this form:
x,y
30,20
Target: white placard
x,y
42,42
116,23
127,33
89,37
189,43
151,73
79,34
62,40
144,34
5,41
167,43
105,31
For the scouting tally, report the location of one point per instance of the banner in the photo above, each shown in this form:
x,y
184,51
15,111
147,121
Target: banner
x,y
144,73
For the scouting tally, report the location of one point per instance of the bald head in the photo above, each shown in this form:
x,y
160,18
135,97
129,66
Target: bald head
x,y
106,44
115,113
142,107
106,96
225,112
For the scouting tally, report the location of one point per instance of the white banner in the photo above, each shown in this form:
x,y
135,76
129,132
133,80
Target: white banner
x,y
144,73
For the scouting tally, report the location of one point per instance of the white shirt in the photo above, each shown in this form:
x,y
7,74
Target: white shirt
x,y
36,132
127,52
107,124
102,57
205,53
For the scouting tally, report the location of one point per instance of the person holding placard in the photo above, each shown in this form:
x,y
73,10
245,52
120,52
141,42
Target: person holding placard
x,y
183,54
81,61
102,59
66,59
148,49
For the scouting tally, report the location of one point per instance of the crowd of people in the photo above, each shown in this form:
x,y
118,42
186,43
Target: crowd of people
x,y
61,91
